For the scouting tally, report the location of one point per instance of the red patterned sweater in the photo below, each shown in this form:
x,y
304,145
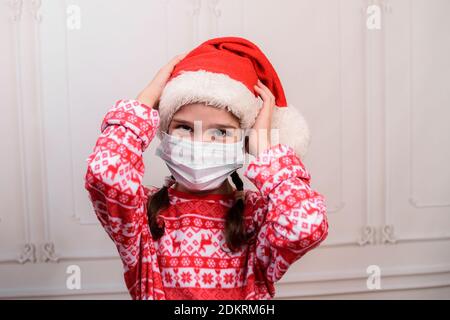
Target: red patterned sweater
x,y
191,260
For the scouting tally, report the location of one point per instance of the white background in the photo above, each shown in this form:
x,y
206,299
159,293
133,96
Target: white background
x,y
377,103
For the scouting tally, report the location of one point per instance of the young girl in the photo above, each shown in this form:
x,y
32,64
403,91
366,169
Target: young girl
x,y
198,237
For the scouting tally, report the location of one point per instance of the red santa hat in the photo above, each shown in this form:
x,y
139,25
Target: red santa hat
x,y
222,72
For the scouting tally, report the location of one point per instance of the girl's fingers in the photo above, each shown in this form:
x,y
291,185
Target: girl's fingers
x,y
267,106
267,90
175,60
180,57
262,93
267,96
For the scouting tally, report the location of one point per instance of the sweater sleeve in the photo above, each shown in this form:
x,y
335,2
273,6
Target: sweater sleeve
x,y
291,216
115,169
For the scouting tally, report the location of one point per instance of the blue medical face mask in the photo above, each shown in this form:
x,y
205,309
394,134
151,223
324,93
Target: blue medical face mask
x,y
199,165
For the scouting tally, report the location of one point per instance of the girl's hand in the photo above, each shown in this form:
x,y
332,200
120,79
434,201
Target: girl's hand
x,y
259,137
152,92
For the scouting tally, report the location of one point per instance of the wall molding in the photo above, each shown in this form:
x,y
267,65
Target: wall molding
x,y
412,198
27,252
16,7
388,231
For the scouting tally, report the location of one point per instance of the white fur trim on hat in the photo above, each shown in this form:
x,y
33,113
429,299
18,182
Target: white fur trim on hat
x,y
216,89
221,91
293,129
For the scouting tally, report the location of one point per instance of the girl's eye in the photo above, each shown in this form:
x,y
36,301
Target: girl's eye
x,y
221,132
184,127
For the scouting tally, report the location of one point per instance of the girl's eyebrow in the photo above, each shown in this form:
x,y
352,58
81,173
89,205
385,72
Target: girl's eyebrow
x,y
223,125
181,121
215,125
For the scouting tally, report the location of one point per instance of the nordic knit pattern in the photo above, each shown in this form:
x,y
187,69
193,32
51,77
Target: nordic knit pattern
x,y
191,260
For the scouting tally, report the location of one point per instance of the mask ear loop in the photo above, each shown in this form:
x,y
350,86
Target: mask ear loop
x,y
238,194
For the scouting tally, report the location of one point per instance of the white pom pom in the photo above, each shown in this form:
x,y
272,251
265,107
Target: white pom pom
x,y
293,129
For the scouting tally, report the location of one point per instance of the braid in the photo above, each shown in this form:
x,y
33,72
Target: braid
x,y
235,234
159,201
237,181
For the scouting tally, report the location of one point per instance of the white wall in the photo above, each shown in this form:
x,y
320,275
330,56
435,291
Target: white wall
x,y
376,101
